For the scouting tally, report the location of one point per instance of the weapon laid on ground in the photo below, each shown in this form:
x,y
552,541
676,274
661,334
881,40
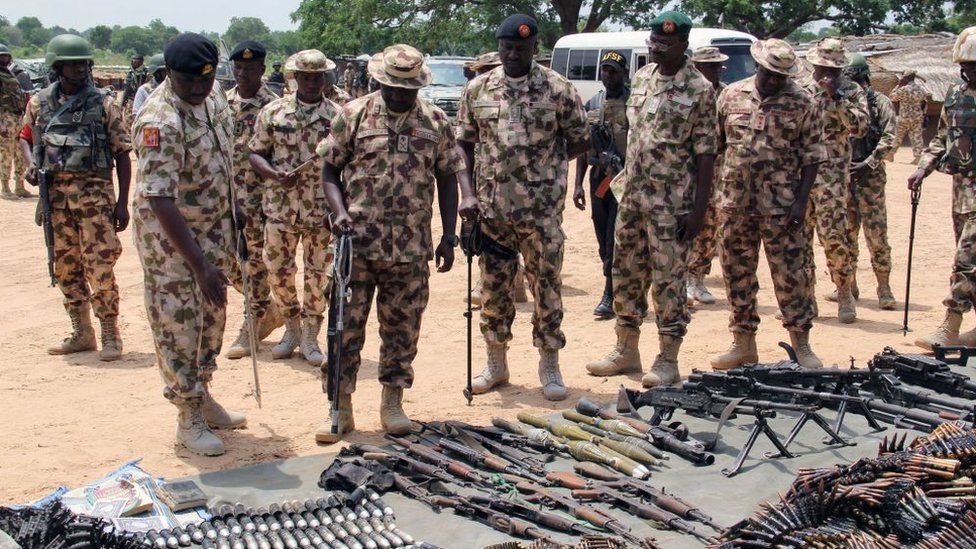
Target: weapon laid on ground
x,y
925,372
472,437
472,244
44,201
481,458
341,274
915,197
540,439
892,390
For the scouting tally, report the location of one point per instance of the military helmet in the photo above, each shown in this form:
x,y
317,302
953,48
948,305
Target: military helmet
x,y
156,62
965,48
68,47
858,67
4,50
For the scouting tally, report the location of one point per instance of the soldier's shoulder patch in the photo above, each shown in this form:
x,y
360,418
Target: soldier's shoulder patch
x,y
150,137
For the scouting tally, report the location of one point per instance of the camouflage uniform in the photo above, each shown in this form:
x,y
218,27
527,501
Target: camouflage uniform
x,y
911,101
348,75
337,95
705,245
388,166
830,198
185,153
286,133
524,128
767,144
82,212
248,191
133,80
11,112
672,121
868,209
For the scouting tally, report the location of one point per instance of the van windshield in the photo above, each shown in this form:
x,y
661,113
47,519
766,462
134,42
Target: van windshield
x,y
740,64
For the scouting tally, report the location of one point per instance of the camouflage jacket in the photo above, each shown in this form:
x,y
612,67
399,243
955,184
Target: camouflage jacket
x,y
881,128
136,77
767,143
73,190
184,153
12,101
524,128
911,101
337,95
245,112
955,139
613,113
389,166
672,120
286,133
844,118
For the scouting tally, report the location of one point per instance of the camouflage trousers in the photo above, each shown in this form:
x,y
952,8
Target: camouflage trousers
x,y
870,214
912,127
187,331
787,255
280,255
648,256
827,211
402,293
10,157
962,282
257,270
85,251
705,246
541,245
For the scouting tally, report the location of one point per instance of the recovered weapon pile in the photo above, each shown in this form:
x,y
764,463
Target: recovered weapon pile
x,y
53,526
920,496
904,390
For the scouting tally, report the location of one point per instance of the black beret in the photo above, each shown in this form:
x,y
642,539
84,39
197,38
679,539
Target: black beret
x,y
517,27
247,50
191,53
137,56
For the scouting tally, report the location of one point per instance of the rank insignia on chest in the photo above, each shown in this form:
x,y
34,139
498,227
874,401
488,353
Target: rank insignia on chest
x,y
403,143
515,113
759,121
150,137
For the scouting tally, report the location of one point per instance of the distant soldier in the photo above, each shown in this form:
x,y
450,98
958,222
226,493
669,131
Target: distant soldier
x,y
78,137
664,192
709,61
529,123
157,72
606,113
12,106
868,179
348,77
387,154
138,75
185,235
360,85
950,152
276,76
844,107
772,133
911,99
283,155
246,99
333,92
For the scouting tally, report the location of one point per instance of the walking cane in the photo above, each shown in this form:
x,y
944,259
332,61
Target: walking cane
x,y
916,195
472,245
341,273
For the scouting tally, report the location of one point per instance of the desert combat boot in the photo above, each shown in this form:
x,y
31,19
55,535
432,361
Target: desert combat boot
x,y
946,334
111,340
193,432
846,310
495,372
551,379
805,356
886,299
664,371
290,340
82,336
241,347
742,351
392,417
309,346
217,416
347,423
624,358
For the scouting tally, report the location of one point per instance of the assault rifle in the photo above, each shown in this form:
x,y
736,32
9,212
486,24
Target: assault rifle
x,y
45,221
608,159
925,372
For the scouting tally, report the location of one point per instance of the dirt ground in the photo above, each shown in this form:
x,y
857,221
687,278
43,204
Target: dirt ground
x,y
69,420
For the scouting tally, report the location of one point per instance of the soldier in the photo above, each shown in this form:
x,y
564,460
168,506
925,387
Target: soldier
x,y
12,105
276,76
138,75
606,113
664,191
78,136
951,152
708,60
184,232
392,149
528,122
868,181
348,76
246,100
157,72
772,133
360,84
912,100
333,92
845,110
283,154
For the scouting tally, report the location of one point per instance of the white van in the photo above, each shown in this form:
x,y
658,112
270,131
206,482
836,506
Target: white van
x,y
577,56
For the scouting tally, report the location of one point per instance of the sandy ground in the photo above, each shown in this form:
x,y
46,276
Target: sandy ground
x,y
68,420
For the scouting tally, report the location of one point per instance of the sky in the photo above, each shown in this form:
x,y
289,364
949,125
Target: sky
x,y
188,15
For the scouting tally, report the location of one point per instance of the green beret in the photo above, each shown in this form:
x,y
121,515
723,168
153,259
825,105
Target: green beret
x,y
671,23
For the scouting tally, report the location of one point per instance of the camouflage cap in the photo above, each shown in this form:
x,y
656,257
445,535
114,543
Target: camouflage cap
x,y
775,55
829,52
309,61
708,54
964,49
400,66
486,60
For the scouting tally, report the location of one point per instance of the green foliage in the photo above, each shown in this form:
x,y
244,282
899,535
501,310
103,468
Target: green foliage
x,y
100,36
246,28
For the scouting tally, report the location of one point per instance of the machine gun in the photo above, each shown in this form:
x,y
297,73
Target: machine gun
x,y
924,371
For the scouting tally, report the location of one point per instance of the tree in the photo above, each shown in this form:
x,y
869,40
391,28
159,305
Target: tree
x,y
100,36
33,32
246,28
131,40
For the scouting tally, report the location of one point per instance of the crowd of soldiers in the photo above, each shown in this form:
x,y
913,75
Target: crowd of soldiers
x,y
681,167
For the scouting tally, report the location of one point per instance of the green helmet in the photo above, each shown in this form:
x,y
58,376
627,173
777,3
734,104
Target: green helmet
x,y
68,47
155,63
4,50
858,67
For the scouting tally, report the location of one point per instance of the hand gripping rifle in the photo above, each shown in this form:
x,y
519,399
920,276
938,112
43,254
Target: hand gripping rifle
x,y
44,186
341,273
472,244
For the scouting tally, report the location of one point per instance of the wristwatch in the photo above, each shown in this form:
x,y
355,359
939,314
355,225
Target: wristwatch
x,y
451,239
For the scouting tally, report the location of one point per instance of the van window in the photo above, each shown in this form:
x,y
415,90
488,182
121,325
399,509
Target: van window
x,y
582,64
558,63
641,61
740,64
